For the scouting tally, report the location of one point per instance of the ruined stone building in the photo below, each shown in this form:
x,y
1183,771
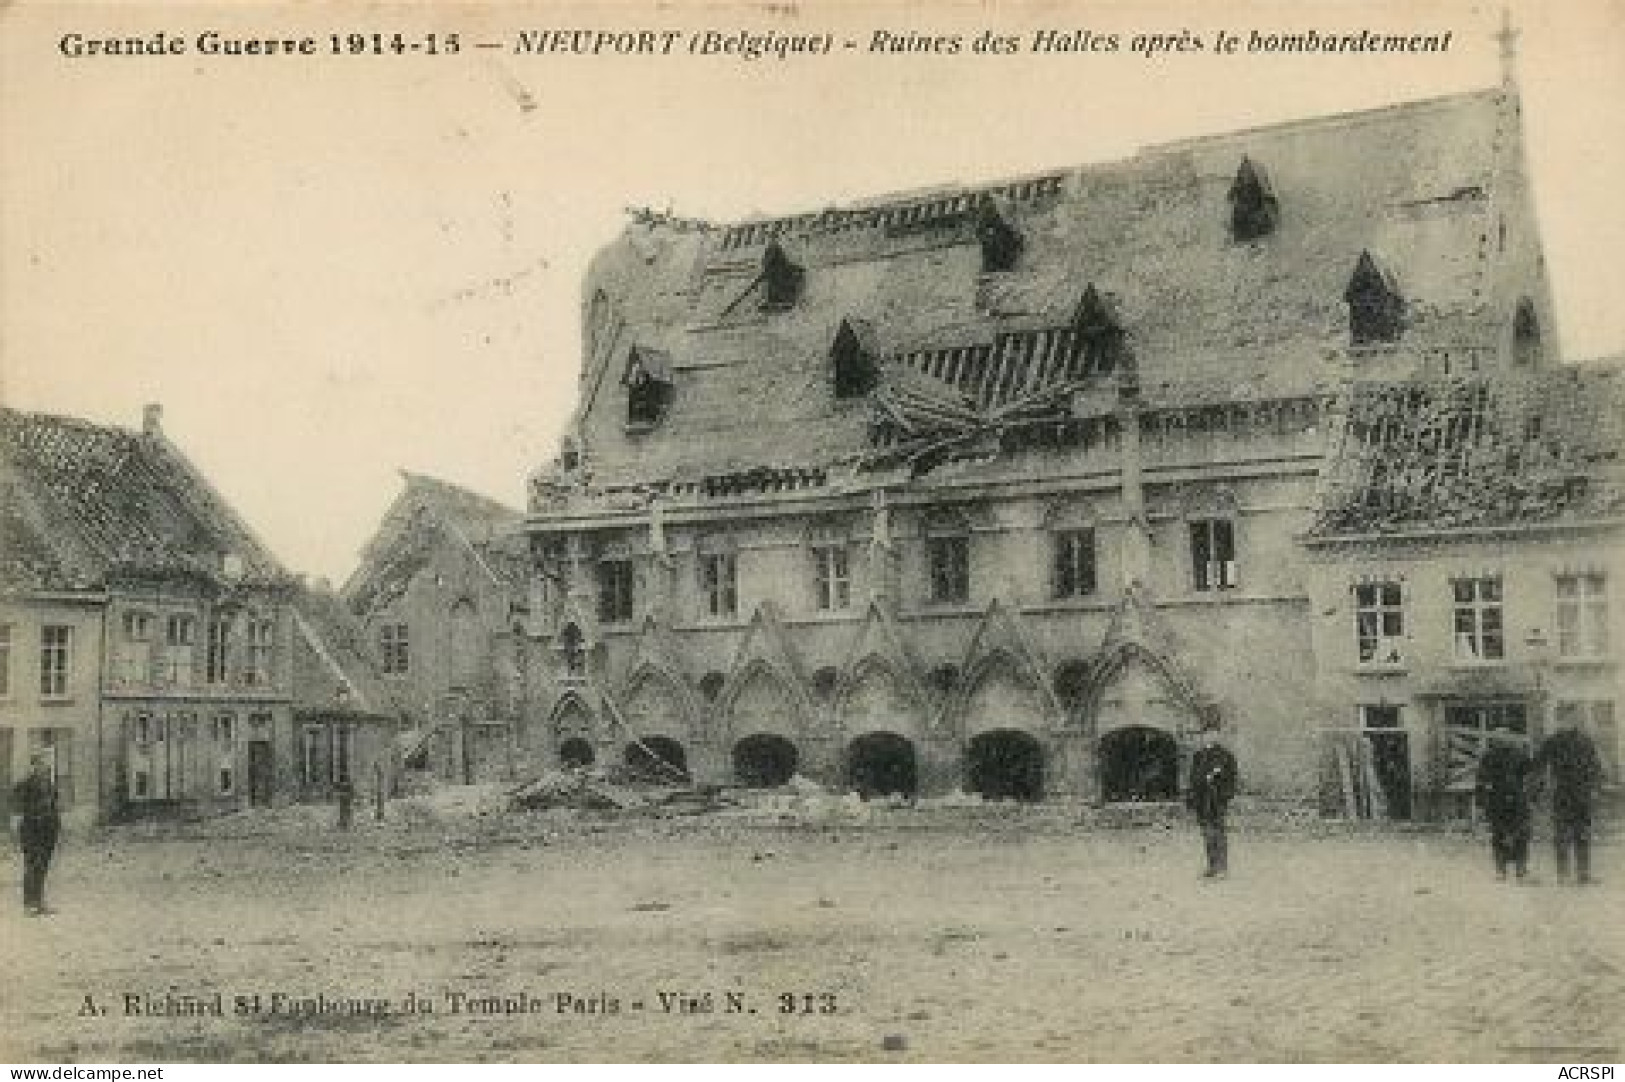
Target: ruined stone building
x,y
1014,486
434,598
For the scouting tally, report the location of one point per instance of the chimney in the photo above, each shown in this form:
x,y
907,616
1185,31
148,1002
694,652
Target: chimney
x,y
152,419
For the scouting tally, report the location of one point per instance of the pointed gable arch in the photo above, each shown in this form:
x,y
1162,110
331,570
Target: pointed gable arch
x,y
1254,211
1376,303
1097,334
1526,339
649,386
880,687
854,358
1003,683
1000,242
573,716
656,695
781,278
766,686
1138,644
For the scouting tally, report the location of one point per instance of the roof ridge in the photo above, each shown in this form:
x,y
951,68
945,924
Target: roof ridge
x,y
945,189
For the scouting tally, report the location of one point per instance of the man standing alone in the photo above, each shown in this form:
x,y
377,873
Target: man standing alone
x,y
36,799
1576,778
1502,788
1213,783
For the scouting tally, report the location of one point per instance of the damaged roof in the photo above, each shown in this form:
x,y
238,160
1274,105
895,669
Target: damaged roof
x,y
333,653
1512,448
84,504
428,507
1205,317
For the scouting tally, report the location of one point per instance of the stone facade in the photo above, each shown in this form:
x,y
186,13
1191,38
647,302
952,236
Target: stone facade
x,y
1008,488
434,599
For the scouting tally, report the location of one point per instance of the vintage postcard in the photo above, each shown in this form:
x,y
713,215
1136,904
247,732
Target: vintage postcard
x,y
812,531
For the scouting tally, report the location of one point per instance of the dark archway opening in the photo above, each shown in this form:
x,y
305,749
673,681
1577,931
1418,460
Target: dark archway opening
x,y
1139,764
882,764
1005,764
657,759
764,761
576,752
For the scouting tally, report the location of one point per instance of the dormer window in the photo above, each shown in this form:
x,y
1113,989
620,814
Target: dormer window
x,y
1098,333
1253,209
1376,307
1526,334
781,279
854,359
1000,242
648,387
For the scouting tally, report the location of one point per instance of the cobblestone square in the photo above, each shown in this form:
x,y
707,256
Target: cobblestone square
x,y
982,937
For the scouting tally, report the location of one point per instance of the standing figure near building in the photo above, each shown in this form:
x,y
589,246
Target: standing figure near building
x,y
36,800
1576,773
1213,783
1502,789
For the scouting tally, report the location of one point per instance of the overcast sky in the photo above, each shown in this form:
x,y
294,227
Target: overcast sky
x,y
329,270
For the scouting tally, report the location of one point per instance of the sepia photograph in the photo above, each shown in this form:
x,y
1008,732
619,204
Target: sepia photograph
x,y
1002,531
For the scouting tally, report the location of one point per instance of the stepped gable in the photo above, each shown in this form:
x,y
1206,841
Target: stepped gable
x,y
93,502
1204,316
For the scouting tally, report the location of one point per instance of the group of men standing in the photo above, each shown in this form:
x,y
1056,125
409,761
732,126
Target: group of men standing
x,y
1510,780
1508,783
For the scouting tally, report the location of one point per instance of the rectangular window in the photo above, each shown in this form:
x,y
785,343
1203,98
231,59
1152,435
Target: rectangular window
x,y
1213,554
949,557
5,666
832,579
340,754
132,654
225,753
1478,619
1467,728
1074,563
394,649
179,633
1379,622
257,662
55,660
615,591
141,757
310,755
1582,616
217,652
719,580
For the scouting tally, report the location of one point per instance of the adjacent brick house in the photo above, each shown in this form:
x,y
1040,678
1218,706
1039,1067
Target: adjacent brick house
x,y
1007,487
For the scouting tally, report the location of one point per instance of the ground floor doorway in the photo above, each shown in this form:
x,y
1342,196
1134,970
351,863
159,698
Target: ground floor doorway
x,y
1005,764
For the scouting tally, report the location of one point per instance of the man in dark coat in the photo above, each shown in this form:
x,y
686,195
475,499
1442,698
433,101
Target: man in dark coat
x,y
35,799
1213,783
1576,773
1502,789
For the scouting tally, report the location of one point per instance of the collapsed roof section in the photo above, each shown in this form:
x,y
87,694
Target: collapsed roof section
x,y
1125,272
1518,447
427,510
